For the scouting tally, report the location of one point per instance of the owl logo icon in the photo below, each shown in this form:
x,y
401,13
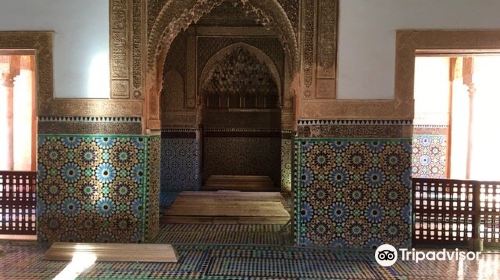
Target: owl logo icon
x,y
386,255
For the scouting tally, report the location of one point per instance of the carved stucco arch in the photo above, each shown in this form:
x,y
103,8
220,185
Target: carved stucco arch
x,y
176,16
257,53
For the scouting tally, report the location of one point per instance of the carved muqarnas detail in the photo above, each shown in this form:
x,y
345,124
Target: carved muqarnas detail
x,y
240,76
292,9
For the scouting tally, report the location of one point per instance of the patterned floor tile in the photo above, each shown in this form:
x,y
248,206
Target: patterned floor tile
x,y
258,261
224,234
279,262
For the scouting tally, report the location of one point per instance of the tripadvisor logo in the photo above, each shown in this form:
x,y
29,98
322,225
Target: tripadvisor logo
x,y
387,255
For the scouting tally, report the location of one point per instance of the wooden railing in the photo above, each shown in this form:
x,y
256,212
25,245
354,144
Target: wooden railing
x,y
17,203
455,212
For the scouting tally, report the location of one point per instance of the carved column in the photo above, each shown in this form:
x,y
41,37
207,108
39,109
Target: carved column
x,y
8,79
468,80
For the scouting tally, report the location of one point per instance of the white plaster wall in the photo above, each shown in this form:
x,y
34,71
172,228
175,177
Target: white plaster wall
x,y
367,37
81,41
367,31
432,90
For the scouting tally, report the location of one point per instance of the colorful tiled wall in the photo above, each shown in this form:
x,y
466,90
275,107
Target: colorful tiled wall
x,y
353,184
96,188
430,152
180,163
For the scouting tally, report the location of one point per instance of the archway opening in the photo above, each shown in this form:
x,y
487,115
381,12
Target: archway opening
x,y
176,17
18,84
456,95
226,139
241,123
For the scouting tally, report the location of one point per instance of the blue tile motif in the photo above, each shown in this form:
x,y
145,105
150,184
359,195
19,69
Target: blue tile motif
x,y
354,195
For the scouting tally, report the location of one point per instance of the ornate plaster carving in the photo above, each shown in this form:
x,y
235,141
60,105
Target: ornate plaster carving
x,y
308,59
245,50
154,8
91,107
327,38
356,109
138,55
292,9
319,48
176,16
119,49
212,39
128,39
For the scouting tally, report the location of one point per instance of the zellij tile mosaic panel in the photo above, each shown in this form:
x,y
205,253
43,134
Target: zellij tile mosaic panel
x,y
91,188
353,193
429,157
180,159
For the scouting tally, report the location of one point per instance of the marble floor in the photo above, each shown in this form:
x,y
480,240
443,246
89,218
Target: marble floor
x,y
209,256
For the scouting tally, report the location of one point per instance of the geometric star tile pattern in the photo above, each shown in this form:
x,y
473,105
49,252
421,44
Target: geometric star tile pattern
x,y
180,160
353,193
429,156
92,188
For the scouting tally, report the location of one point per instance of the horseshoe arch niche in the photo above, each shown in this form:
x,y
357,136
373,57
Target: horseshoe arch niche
x,y
176,16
